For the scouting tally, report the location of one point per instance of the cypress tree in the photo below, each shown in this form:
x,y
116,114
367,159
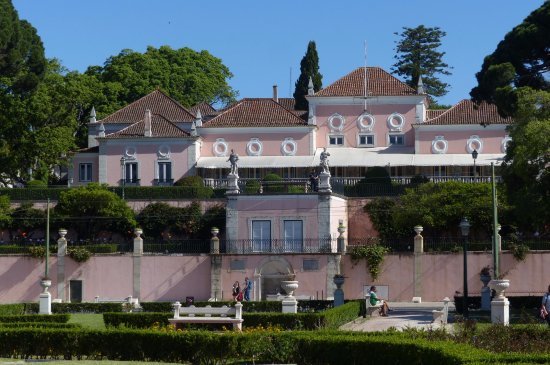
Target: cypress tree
x,y
309,67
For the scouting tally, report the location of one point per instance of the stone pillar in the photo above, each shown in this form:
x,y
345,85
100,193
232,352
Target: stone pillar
x,y
485,292
232,184
138,253
500,306
215,267
289,303
61,253
214,241
418,253
333,269
324,183
341,238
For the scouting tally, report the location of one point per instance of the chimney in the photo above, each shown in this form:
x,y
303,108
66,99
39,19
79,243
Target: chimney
x,y
198,118
275,94
92,115
148,132
101,130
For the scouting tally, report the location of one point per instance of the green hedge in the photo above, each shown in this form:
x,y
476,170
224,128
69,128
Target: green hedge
x,y
135,320
319,347
287,321
39,325
59,318
157,306
12,309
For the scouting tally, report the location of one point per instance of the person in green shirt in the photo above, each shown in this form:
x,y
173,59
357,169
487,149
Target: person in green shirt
x,y
384,309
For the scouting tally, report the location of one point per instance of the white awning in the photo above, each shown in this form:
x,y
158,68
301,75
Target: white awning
x,y
348,157
257,162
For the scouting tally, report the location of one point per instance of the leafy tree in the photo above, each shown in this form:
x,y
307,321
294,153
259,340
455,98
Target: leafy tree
x,y
417,55
188,76
520,59
28,218
22,60
309,67
5,211
91,209
156,218
526,167
213,217
376,175
188,219
437,207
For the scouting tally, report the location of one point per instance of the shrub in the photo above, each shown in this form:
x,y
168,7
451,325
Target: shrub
x,y
157,306
60,318
39,325
195,186
271,183
36,184
252,187
38,252
376,175
79,254
135,320
12,309
286,321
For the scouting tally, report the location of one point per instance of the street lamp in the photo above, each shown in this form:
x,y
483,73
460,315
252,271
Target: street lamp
x,y
465,230
123,173
474,156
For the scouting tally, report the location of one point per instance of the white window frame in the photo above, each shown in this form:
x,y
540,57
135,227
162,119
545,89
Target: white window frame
x,y
128,172
162,163
359,144
337,136
397,135
294,244
88,171
261,244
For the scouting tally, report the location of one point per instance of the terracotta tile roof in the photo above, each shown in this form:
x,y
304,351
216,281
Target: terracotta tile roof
x,y
379,83
255,113
432,113
288,103
467,112
160,127
89,150
205,108
158,102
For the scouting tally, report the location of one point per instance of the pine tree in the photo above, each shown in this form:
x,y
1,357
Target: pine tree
x,y
417,55
309,67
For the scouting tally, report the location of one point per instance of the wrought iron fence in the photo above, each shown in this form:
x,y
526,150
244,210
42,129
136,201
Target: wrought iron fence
x,y
260,246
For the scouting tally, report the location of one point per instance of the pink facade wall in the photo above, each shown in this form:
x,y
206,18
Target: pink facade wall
x,y
85,158
338,212
169,278
271,143
351,129
492,140
278,208
146,156
311,283
165,278
442,275
359,222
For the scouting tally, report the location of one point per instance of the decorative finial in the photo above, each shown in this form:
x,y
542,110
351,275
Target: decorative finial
x,y
310,90
198,118
92,115
420,86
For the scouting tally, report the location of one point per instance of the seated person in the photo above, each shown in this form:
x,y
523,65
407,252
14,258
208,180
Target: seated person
x,y
384,309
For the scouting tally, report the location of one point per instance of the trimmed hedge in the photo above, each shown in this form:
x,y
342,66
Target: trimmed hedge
x,y
12,309
39,325
135,320
59,318
319,347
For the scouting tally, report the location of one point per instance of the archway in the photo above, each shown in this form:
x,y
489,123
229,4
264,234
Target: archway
x,y
269,274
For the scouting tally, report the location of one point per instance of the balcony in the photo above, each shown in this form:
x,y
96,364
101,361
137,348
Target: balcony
x,y
278,246
130,182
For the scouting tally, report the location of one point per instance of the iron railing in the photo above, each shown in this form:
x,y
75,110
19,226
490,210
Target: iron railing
x,y
279,246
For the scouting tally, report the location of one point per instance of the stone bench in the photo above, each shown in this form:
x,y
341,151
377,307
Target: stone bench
x,y
132,302
371,310
208,314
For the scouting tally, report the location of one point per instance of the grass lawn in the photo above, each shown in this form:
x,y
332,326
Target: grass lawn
x,y
88,320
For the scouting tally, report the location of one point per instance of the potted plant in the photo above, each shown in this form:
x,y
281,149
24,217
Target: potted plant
x,y
339,280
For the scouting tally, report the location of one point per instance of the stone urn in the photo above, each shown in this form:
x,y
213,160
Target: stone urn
x,y
338,280
485,279
499,286
45,283
289,286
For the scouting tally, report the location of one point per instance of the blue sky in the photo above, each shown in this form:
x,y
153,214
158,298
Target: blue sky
x,y
261,41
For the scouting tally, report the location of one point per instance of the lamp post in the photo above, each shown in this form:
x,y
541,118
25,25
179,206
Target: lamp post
x,y
465,230
474,156
123,173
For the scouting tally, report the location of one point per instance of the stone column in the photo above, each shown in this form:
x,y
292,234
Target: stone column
x,y
215,266
61,253
418,253
333,268
341,238
138,253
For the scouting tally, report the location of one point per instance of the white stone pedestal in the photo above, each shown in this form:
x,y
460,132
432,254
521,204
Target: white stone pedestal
x,y
290,305
500,312
324,183
233,184
45,298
